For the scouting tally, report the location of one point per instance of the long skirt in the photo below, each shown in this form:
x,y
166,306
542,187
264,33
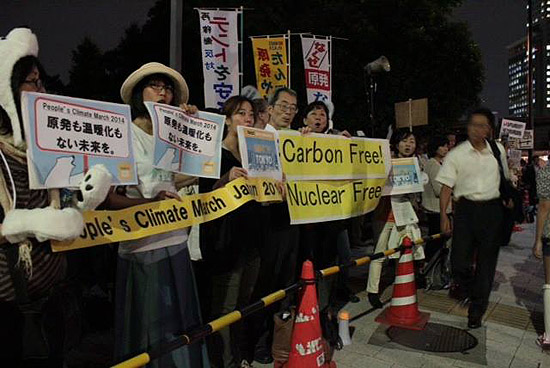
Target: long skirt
x,y
156,300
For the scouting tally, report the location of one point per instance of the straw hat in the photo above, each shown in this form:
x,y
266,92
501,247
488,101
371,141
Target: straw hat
x,y
180,86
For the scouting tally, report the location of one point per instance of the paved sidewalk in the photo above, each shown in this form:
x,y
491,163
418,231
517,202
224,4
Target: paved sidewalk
x,y
507,338
514,315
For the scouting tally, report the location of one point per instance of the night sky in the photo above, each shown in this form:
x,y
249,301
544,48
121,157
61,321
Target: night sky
x,y
61,24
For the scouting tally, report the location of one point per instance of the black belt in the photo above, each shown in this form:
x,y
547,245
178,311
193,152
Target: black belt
x,y
463,200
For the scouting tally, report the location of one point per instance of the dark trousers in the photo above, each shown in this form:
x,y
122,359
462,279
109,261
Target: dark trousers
x,y
476,234
434,227
277,271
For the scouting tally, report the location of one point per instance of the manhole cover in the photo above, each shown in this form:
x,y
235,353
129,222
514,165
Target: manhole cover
x,y
435,337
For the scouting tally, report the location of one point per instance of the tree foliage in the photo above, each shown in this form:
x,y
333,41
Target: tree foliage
x,y
430,54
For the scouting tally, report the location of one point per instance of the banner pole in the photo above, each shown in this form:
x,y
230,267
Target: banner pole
x,y
330,67
241,55
288,57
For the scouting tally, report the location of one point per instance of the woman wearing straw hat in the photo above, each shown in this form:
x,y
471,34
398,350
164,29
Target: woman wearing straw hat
x,y
156,296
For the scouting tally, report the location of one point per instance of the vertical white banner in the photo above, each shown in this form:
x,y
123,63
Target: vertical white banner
x,y
317,64
220,55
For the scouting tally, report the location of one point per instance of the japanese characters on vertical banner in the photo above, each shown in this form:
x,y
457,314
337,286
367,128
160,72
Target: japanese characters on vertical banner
x,y
317,63
270,61
220,55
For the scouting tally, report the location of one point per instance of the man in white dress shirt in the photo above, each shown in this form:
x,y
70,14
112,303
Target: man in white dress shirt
x,y
471,174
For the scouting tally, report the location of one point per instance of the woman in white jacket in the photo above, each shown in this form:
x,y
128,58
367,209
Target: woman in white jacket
x,y
438,147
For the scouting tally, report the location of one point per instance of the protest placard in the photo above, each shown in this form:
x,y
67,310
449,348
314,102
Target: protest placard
x,y
331,157
512,129
220,55
405,177
514,158
66,136
528,140
319,201
259,153
317,63
270,62
411,113
184,143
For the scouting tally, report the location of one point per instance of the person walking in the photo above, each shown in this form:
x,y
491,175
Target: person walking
x,y
472,175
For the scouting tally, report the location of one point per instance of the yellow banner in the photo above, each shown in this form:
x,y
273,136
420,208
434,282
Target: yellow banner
x,y
320,201
332,157
103,227
270,61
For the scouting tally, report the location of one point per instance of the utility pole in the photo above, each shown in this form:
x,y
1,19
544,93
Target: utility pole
x,y
176,24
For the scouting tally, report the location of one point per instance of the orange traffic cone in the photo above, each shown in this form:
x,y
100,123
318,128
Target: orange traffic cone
x,y
403,310
307,350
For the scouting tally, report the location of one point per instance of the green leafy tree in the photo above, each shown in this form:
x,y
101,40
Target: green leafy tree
x,y
430,54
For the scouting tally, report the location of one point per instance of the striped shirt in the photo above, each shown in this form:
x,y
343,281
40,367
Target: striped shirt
x,y
47,268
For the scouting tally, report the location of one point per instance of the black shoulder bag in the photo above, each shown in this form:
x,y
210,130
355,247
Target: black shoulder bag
x,y
507,190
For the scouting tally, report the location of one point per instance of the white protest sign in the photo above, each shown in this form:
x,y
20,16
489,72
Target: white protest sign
x,y
66,136
514,129
528,140
259,153
405,177
220,55
317,54
186,144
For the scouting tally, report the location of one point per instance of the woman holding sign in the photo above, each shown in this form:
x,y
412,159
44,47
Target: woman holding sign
x,y
229,245
390,235
155,293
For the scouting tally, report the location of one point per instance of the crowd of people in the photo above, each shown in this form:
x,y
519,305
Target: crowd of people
x,y
170,283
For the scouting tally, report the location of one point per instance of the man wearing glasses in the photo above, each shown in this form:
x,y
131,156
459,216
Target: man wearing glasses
x,y
279,252
471,174
282,109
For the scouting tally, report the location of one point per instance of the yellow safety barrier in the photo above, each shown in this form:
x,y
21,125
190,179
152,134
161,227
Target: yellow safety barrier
x,y
225,321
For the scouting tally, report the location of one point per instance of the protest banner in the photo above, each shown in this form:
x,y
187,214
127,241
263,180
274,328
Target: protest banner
x,y
512,129
270,61
317,67
411,113
66,136
528,140
331,157
405,177
319,201
514,158
184,143
220,55
259,153
104,227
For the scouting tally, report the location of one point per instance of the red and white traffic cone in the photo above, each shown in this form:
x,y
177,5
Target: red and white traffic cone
x,y
307,350
403,310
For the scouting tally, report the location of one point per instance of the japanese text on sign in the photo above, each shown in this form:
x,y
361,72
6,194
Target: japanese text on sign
x,y
270,60
316,52
64,127
220,55
184,131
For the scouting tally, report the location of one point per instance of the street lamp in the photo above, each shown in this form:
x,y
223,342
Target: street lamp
x,y
380,65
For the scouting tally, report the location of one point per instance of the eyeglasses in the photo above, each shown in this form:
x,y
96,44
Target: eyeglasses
x,y
287,107
160,87
37,83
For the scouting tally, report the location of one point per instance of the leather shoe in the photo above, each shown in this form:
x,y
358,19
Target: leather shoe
x,y
374,300
474,322
263,356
